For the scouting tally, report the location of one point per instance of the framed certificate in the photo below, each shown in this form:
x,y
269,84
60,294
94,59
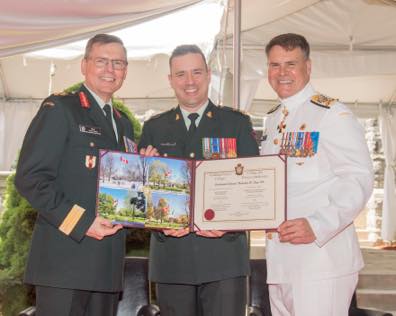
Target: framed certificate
x,y
240,193
222,194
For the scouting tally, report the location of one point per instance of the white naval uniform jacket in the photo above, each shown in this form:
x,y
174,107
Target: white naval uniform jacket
x,y
329,189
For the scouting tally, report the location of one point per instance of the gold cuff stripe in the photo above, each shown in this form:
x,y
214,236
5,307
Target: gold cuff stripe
x,y
71,219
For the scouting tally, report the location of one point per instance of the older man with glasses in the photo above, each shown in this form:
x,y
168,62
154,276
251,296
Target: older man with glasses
x,y
76,258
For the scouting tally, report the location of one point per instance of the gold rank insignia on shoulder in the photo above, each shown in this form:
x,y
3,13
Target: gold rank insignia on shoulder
x,y
323,101
48,104
273,109
62,93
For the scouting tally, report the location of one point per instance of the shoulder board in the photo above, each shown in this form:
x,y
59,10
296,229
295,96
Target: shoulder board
x,y
156,116
51,100
230,109
323,101
48,103
273,109
63,94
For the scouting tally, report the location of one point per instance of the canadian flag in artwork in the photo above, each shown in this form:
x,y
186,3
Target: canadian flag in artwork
x,y
124,160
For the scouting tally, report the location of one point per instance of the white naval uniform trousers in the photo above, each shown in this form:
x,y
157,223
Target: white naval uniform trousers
x,y
329,189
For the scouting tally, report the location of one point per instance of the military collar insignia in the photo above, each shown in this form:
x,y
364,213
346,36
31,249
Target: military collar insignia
x,y
116,112
84,100
273,109
323,101
177,117
209,114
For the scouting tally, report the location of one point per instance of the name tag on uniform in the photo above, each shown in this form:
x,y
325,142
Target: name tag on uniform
x,y
168,144
90,130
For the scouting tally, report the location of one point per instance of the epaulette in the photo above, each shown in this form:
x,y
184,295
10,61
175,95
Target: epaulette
x,y
63,94
48,103
323,101
51,100
234,110
158,115
273,109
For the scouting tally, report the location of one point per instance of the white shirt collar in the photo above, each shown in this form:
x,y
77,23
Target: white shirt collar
x,y
200,112
98,100
299,98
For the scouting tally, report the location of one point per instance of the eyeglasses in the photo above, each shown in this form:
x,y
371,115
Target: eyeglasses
x,y
116,63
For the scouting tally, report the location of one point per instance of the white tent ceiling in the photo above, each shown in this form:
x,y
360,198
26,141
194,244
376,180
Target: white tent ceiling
x,y
27,25
34,76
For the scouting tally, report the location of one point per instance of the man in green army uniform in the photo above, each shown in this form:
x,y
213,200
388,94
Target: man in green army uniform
x,y
202,273
76,258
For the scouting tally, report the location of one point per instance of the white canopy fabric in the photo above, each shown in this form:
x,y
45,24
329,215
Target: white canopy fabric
x,y
27,25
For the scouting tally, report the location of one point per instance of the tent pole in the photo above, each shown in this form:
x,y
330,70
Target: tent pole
x,y
3,81
236,54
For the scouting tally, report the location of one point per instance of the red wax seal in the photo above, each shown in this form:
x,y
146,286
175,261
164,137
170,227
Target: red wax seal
x,y
209,214
84,100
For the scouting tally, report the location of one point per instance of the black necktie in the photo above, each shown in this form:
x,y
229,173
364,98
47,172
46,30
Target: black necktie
x,y
109,119
107,110
193,117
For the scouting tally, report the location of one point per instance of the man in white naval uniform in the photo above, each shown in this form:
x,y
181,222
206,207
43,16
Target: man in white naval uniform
x,y
314,258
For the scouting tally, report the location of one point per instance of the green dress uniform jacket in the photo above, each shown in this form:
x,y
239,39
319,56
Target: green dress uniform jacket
x,y
193,259
57,174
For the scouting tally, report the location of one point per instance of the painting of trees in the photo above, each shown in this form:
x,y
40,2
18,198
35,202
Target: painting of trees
x,y
161,211
144,165
108,167
186,173
158,173
107,204
134,172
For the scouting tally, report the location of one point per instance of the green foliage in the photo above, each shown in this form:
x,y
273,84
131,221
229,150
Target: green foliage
x,y
106,204
16,227
15,230
15,298
137,128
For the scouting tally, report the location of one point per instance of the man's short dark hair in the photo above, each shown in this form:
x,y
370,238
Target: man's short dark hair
x,y
182,50
289,41
103,39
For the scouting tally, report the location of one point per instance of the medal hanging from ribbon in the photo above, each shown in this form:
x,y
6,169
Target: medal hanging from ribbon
x,y
214,148
299,144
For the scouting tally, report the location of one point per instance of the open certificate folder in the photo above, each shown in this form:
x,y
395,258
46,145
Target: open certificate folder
x,y
161,192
